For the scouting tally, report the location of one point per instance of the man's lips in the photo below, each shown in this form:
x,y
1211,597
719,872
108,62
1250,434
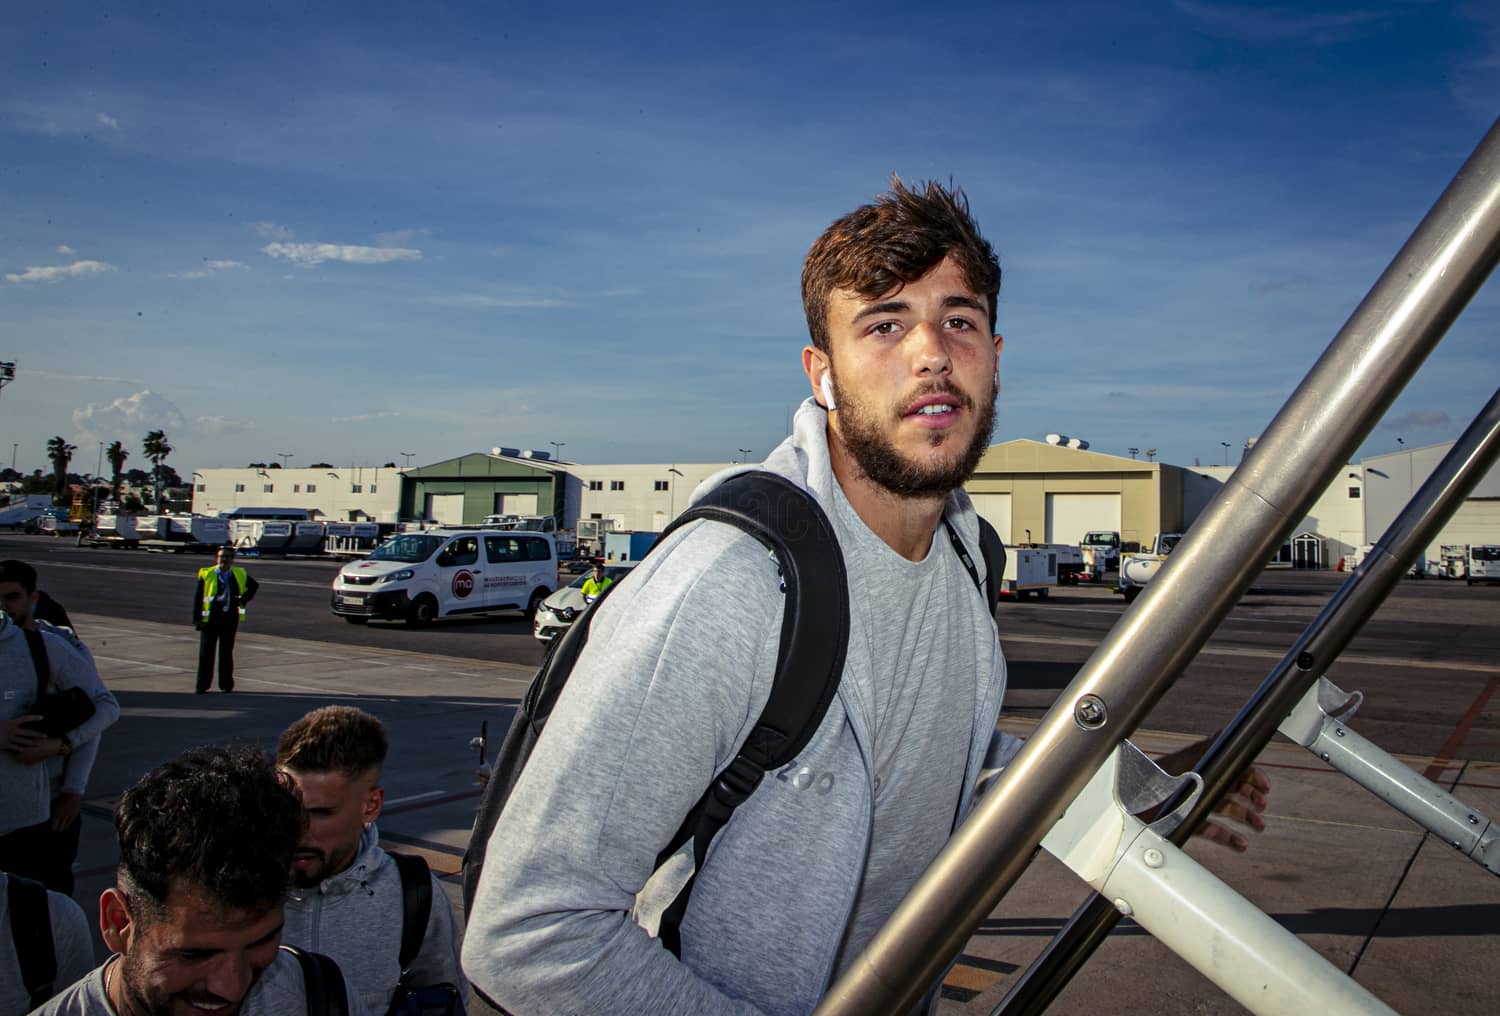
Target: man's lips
x,y
935,411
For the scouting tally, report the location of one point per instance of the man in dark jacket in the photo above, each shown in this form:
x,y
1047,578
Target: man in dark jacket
x,y
219,604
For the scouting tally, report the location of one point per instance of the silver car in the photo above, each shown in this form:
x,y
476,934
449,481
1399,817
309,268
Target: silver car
x,y
562,608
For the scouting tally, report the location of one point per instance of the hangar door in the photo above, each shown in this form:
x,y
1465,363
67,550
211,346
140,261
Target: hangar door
x,y
446,509
1477,521
515,504
995,509
1069,516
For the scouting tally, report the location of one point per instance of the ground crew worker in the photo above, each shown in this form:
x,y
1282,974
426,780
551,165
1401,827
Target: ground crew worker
x,y
218,606
595,584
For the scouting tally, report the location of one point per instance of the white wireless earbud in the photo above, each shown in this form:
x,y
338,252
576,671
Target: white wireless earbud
x,y
827,387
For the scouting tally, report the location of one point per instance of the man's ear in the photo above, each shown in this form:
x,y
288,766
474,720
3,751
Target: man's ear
x,y
815,365
115,923
374,801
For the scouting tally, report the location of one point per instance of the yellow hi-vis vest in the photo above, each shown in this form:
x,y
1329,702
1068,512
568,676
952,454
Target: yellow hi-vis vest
x,y
210,579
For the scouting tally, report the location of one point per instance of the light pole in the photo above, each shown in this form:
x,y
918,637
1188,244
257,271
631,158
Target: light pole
x,y
99,468
745,454
13,446
557,447
1226,451
672,489
286,458
1133,452
408,457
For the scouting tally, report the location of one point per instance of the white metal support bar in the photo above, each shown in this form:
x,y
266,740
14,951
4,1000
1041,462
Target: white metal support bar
x,y
1222,935
1319,724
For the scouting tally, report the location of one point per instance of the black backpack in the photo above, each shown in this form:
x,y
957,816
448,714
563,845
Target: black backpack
x,y
322,983
809,664
416,911
31,931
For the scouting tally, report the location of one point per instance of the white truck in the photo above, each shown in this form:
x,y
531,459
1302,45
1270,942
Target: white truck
x,y
1136,570
1483,564
1101,553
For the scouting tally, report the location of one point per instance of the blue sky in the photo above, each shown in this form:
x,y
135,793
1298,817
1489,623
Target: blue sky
x,y
348,232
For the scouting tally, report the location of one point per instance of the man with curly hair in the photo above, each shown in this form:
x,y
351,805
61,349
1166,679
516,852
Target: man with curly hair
x,y
346,897
195,915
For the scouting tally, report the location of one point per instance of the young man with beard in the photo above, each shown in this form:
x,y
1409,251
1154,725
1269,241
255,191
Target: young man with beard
x,y
900,301
346,898
195,916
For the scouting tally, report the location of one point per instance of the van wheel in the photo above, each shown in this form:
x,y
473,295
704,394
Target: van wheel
x,y
356,620
422,613
536,603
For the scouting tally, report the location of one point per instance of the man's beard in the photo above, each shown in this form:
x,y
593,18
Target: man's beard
x,y
876,455
146,1000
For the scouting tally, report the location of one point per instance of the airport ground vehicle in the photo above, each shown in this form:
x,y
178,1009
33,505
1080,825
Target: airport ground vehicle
x,y
1138,569
1029,571
1101,553
420,577
1483,564
562,608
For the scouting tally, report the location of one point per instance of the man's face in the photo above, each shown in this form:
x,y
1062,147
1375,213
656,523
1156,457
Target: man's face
x,y
226,558
17,602
598,574
198,957
915,375
337,807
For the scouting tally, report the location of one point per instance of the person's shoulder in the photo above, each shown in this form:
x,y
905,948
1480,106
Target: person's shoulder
x,y
84,997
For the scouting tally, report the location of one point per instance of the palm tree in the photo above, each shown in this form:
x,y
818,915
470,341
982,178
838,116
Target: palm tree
x,y
156,449
61,453
117,455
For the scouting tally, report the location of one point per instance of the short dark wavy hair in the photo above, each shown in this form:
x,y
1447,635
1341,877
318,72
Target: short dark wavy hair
x,y
19,571
333,739
893,241
217,819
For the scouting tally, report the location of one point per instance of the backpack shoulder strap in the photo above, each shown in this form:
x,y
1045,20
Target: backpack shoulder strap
x,y
993,550
809,660
39,661
322,983
416,904
31,930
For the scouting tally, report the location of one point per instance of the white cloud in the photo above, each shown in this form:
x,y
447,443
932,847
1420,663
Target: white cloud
x,y
210,266
128,419
365,417
56,273
272,231
105,120
486,301
307,255
63,248
400,237
217,425
1418,419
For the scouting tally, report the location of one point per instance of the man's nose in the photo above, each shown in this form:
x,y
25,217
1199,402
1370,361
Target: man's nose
x,y
230,977
929,349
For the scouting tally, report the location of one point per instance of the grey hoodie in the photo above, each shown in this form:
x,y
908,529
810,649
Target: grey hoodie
x,y
676,671
354,917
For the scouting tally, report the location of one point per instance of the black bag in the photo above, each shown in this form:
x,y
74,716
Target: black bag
x,y
809,664
60,711
322,983
31,931
416,911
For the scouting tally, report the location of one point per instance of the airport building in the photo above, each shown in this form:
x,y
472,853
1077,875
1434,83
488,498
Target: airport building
x,y
1031,491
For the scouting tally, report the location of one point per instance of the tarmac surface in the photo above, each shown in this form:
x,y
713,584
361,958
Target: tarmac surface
x,y
1413,921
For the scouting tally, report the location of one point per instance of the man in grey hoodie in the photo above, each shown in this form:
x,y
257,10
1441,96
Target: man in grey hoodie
x,y
900,301
346,899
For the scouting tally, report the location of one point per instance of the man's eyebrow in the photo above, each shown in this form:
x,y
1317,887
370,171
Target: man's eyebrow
x,y
883,307
965,301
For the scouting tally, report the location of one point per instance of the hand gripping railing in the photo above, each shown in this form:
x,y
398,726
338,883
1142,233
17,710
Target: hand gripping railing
x,y
1284,697
1356,379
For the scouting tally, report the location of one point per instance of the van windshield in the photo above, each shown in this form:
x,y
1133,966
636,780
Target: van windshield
x,y
1110,539
410,549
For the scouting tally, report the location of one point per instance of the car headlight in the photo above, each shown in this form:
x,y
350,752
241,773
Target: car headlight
x,y
397,576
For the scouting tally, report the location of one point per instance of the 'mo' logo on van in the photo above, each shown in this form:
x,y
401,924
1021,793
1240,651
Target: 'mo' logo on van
x,y
463,584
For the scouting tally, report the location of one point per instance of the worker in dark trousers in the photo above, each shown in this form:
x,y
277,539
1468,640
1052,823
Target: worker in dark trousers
x,y
218,607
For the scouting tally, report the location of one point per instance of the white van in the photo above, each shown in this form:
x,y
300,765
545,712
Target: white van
x,y
419,577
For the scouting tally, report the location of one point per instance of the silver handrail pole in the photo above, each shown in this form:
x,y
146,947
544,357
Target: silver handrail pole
x,y
1299,669
1356,379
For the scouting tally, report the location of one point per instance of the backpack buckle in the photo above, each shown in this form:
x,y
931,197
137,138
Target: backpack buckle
x,y
738,782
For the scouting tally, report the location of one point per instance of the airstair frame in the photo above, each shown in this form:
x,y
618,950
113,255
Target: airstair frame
x,y
1074,760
